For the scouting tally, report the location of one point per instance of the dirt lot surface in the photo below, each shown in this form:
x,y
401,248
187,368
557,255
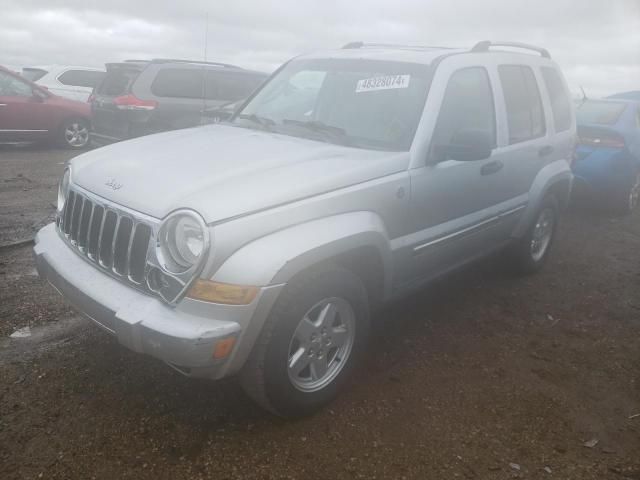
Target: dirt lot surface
x,y
483,376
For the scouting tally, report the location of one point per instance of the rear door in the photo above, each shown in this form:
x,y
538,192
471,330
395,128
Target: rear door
x,y
179,93
23,115
108,119
77,84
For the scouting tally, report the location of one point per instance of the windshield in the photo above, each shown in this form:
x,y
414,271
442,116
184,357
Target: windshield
x,y
33,74
599,113
359,103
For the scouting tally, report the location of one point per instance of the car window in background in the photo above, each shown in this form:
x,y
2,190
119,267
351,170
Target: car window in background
x,y
467,104
560,104
11,86
81,78
33,74
230,86
362,103
117,81
525,115
600,112
178,83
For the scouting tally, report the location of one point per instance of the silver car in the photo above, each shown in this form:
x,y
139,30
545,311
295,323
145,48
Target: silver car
x,y
260,247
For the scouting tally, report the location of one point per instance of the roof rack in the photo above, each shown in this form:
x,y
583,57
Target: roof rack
x,y
485,45
198,62
356,45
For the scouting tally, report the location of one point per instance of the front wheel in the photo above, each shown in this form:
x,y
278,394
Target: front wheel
x,y
311,342
75,133
531,251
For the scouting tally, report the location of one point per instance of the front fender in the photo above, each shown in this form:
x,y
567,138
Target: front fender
x,y
554,176
276,258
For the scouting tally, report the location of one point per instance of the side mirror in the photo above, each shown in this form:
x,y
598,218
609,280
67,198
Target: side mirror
x,y
467,145
221,113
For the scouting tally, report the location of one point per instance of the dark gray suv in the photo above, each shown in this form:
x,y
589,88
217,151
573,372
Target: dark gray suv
x,y
139,97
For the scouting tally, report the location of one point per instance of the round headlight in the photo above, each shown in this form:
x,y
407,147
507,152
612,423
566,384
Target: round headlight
x,y
63,189
183,238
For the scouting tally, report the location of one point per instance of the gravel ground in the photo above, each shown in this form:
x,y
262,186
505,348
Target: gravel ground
x,y
483,376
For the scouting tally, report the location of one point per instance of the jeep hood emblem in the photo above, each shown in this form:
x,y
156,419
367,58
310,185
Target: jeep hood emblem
x,y
111,183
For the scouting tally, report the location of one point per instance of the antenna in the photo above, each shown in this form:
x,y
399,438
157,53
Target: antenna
x,y
206,35
204,80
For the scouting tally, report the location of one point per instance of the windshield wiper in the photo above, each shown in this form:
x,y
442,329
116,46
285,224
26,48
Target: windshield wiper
x,y
320,127
264,122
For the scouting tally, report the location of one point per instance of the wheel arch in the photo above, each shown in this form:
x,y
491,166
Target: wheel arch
x,y
357,241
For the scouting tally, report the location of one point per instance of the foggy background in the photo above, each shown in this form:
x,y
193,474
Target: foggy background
x,y
596,42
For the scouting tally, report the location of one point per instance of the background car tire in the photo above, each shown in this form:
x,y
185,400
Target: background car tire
x,y
266,375
530,253
629,199
74,133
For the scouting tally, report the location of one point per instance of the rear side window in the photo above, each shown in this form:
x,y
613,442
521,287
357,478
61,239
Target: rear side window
x,y
117,81
600,112
525,115
230,86
559,98
178,83
467,104
33,74
81,78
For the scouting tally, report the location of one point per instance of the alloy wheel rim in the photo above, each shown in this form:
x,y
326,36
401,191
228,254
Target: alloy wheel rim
x,y
542,234
76,134
321,344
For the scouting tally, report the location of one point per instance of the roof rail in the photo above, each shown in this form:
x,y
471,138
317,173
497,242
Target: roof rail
x,y
485,45
198,62
356,45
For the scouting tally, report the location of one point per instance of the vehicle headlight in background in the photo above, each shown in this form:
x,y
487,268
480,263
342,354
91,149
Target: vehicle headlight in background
x,y
63,189
183,239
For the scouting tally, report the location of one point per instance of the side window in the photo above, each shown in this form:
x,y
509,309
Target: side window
x,y
525,115
81,78
558,97
467,104
11,86
230,86
178,83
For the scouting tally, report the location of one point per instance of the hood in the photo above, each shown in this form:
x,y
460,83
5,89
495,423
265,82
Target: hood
x,y
222,171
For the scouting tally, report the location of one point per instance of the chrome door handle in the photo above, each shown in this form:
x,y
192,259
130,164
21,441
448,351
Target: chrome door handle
x,y
3,104
491,167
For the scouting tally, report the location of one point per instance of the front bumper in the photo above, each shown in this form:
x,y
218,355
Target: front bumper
x,y
184,336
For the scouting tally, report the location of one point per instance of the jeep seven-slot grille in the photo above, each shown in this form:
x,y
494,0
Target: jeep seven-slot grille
x,y
115,241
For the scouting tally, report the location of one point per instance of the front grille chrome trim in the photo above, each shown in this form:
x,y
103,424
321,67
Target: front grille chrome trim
x,y
81,240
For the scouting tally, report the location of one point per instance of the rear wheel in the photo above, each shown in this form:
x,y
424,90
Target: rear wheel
x,y
311,342
530,253
629,199
75,133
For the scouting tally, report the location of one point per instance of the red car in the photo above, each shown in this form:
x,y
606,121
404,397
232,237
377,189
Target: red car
x,y
30,113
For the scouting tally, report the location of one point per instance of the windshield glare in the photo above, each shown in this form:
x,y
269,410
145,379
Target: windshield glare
x,y
359,103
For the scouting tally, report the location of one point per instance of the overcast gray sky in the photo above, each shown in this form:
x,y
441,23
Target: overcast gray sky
x,y
597,42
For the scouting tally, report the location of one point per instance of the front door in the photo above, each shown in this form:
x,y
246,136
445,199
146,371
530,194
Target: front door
x,y
23,115
453,202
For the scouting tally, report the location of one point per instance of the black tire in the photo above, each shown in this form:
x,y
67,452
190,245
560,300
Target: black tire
x,y
78,142
524,261
265,376
627,201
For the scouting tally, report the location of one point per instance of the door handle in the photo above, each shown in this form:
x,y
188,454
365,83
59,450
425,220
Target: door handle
x,y
491,167
546,150
3,104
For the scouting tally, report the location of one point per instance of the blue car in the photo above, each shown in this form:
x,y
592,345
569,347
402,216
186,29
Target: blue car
x,y
607,164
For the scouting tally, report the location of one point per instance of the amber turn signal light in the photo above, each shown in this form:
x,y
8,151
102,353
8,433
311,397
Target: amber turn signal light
x,y
223,347
224,293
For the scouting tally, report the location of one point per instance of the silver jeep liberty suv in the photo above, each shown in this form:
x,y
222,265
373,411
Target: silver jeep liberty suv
x,y
352,177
